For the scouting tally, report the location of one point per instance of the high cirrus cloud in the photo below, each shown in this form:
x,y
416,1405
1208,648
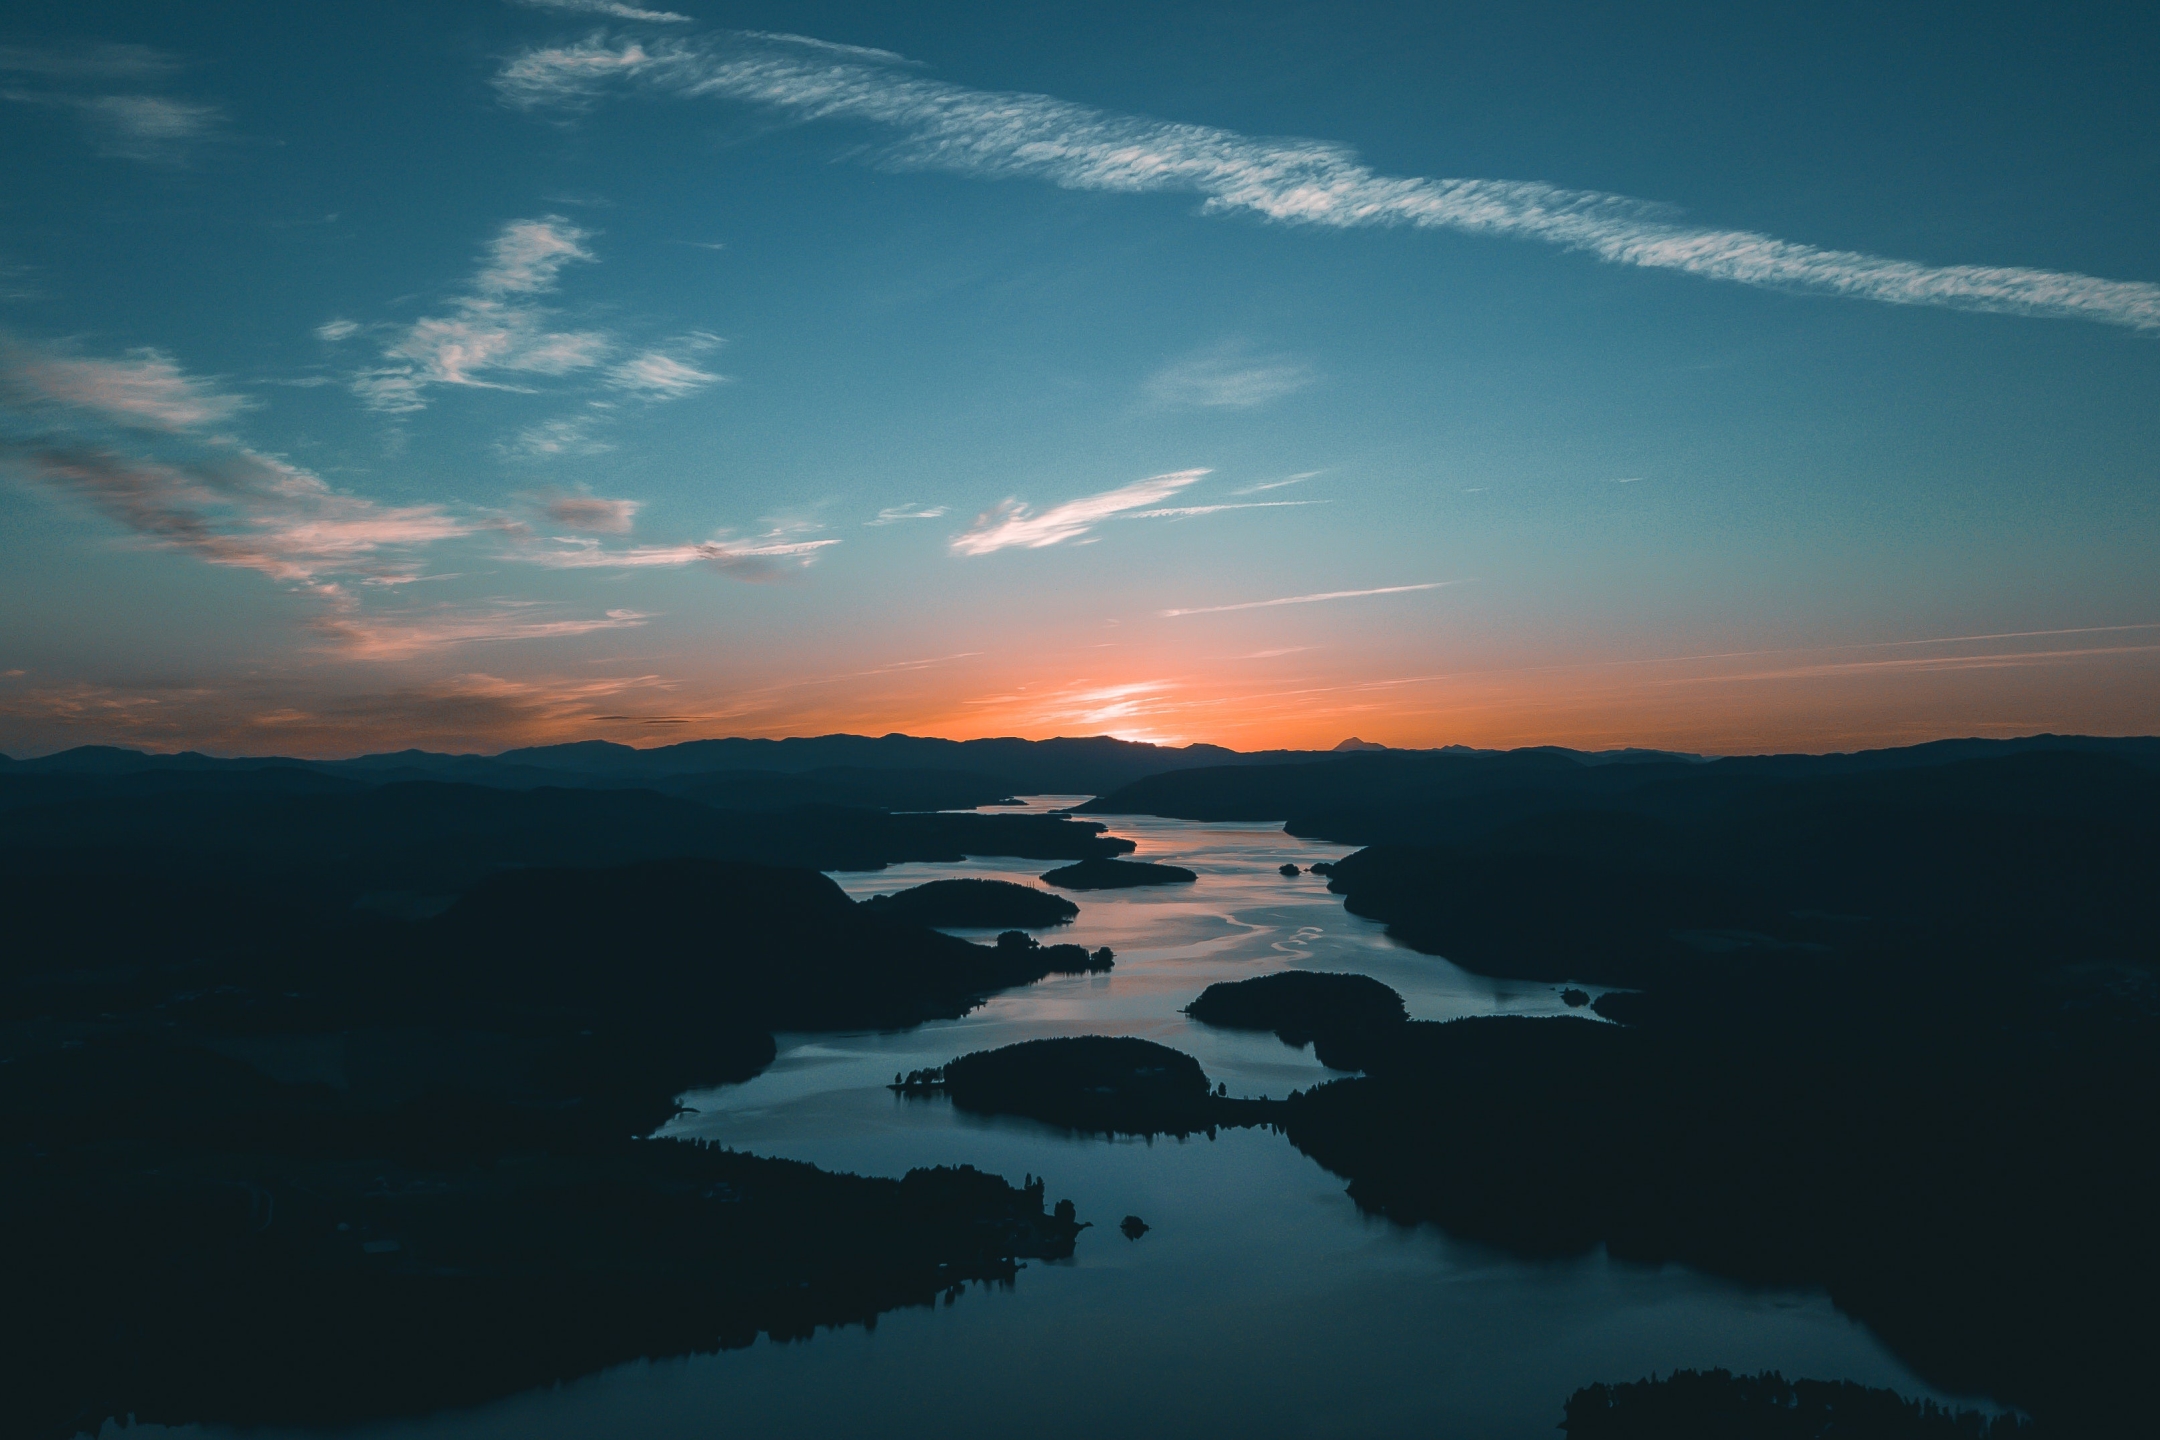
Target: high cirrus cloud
x,y
895,514
1226,378
1322,596
768,557
146,390
665,372
246,510
1012,135
495,329
1010,524
614,8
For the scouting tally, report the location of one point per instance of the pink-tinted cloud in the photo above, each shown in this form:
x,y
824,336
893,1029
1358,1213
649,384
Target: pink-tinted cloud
x,y
242,509
496,330
144,391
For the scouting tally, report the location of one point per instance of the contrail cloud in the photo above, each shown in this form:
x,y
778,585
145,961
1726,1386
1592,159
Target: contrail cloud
x,y
1308,599
1013,135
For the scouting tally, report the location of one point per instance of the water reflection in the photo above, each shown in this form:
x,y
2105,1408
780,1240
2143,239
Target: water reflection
x,y
1260,1303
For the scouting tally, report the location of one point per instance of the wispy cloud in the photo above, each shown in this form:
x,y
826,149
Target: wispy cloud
x,y
247,510
1308,599
593,513
150,128
528,256
330,332
1012,525
1226,378
555,439
494,329
615,8
287,714
767,557
1287,480
1011,135
1182,512
89,61
868,53
663,373
405,635
894,514
144,391
155,129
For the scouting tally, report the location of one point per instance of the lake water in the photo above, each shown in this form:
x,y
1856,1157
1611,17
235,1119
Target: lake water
x,y
1260,1304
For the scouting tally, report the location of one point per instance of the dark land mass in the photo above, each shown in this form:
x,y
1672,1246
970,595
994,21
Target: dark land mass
x,y
1889,1024
427,837
1079,766
1024,950
1719,1405
275,1159
1095,1084
902,772
1888,1029
1106,874
1304,1006
1455,795
960,903
838,785
897,772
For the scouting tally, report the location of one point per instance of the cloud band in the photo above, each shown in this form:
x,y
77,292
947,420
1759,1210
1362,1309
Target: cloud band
x,y
1293,181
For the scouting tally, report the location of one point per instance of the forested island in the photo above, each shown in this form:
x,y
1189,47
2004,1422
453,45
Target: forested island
x,y
976,903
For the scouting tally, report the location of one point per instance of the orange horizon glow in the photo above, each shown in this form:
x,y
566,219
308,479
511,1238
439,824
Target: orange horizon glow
x,y
2086,680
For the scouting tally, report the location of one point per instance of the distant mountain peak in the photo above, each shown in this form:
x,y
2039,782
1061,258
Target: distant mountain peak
x,y
1353,743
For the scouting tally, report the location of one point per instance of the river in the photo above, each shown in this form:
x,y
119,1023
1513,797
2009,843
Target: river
x,y
1259,1304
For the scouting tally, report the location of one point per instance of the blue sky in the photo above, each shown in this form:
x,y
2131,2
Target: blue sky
x,y
472,374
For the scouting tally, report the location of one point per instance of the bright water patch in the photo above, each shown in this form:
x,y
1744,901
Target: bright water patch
x,y
1261,1304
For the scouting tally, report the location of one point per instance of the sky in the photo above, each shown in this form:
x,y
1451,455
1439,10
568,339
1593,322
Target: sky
x,y
471,374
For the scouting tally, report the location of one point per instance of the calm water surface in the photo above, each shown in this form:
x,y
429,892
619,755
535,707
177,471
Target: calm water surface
x,y
1261,1304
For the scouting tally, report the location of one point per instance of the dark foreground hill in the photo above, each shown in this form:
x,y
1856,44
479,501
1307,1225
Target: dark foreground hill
x,y
435,838
273,1160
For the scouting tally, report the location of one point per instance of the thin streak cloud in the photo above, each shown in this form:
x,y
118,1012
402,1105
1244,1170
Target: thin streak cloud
x,y
1182,512
660,375
894,514
1015,135
754,560
401,637
615,8
99,61
1010,525
1307,599
1226,378
1286,481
